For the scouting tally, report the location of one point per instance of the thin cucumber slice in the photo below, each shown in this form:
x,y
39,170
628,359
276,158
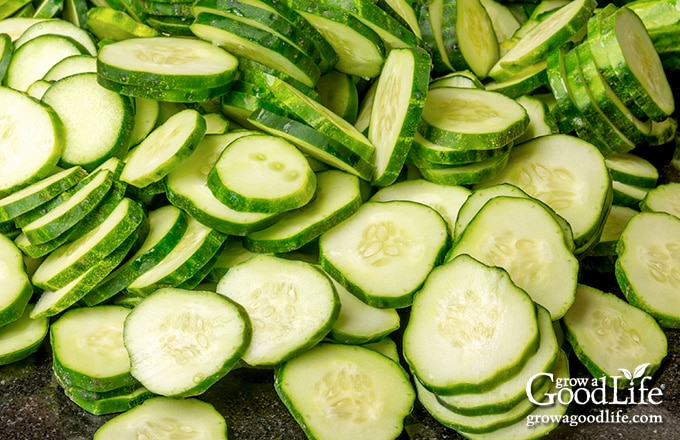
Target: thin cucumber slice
x,y
68,262
447,200
360,49
22,337
244,40
610,336
39,193
338,92
259,74
437,42
178,95
523,83
336,375
25,160
262,173
477,40
646,268
147,112
461,78
402,10
166,63
529,245
88,350
62,27
71,65
164,148
101,403
167,224
338,195
425,152
400,96
510,393
6,52
230,254
98,122
110,24
80,201
471,118
292,305
312,142
187,188
550,168
17,289
628,195
53,302
632,169
194,249
613,228
541,121
500,318
548,35
466,174
504,21
359,323
35,58
158,415
183,341
383,253
663,198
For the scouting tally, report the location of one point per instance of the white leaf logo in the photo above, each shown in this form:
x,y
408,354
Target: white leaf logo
x,y
636,374
627,374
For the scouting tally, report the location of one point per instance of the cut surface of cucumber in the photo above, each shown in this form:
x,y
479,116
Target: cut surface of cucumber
x,y
17,290
183,341
500,321
355,392
292,306
383,253
262,173
22,337
26,159
159,415
529,244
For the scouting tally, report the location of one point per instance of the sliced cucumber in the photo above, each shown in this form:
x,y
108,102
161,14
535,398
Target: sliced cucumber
x,y
164,148
617,219
425,152
632,169
292,306
338,195
187,188
541,121
88,350
110,24
477,40
383,253
262,173
663,198
460,78
22,337
500,321
17,289
183,341
25,160
56,26
116,401
466,174
338,92
398,104
646,269
471,118
159,415
356,393
71,65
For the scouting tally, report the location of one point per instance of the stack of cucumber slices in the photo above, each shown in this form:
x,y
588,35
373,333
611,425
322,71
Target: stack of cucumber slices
x,y
387,205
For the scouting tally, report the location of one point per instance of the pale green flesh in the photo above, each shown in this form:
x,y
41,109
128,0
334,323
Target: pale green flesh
x,y
90,341
500,319
22,334
616,221
664,198
476,37
529,244
13,277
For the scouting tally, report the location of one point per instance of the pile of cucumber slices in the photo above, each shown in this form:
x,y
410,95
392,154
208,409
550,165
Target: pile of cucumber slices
x,y
387,203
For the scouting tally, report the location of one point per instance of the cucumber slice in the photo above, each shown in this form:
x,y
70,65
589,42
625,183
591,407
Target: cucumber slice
x,y
609,335
359,323
338,196
628,195
88,350
187,188
404,12
98,121
338,92
67,263
613,228
194,249
646,269
399,99
244,40
159,415
466,174
356,393
500,318
183,341
523,83
167,224
35,58
548,35
424,152
107,23
262,173
291,304
39,193
383,253
529,245
632,169
447,200
512,392
17,289
56,26
663,198
164,148
147,112
471,118
25,160
107,403
439,37
541,121
461,78
71,65
260,75
22,337
166,63
312,142
477,40
550,168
